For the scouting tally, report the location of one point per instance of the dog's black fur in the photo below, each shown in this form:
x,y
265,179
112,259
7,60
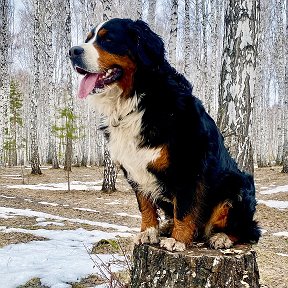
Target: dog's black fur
x,y
199,175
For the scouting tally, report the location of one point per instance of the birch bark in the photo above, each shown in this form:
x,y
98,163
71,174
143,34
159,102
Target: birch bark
x,y
285,150
173,32
34,158
151,13
107,13
110,175
4,75
187,40
139,10
68,76
236,93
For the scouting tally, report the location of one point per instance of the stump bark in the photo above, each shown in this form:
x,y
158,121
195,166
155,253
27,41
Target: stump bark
x,y
198,267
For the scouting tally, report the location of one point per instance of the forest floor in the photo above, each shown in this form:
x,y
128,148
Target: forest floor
x,y
42,204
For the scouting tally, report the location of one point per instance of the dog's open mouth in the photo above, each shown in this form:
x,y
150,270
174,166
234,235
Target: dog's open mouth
x,y
96,82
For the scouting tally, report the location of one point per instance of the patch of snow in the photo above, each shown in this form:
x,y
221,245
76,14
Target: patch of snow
x,y
113,203
274,203
11,175
280,234
74,185
127,215
31,213
263,231
48,203
282,254
86,209
7,197
277,189
58,261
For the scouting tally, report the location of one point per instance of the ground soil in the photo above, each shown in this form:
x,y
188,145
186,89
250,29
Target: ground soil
x,y
271,250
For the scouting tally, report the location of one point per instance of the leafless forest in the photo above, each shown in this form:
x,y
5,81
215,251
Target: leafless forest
x,y
234,53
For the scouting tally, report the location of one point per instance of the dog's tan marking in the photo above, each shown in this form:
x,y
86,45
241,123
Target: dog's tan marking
x,y
162,162
102,32
107,60
218,218
184,229
148,211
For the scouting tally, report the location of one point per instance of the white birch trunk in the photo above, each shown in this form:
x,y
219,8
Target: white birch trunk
x,y
187,40
107,13
237,79
34,158
195,47
52,151
4,73
139,9
285,150
151,13
173,32
68,75
204,63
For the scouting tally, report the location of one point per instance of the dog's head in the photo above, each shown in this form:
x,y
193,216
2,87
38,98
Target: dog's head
x,y
111,55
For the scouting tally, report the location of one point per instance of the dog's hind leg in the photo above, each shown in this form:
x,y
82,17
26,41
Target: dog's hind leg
x,y
218,221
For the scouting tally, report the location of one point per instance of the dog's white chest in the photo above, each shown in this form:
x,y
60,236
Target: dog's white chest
x,y
124,147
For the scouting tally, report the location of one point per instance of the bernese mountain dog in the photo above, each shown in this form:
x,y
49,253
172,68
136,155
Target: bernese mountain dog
x,y
169,148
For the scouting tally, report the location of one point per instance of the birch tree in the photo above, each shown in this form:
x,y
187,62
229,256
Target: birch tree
x,y
49,75
173,32
237,79
34,158
151,13
107,9
139,9
187,39
285,150
67,70
110,175
4,75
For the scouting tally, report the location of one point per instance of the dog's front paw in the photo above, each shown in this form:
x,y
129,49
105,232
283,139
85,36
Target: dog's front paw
x,y
172,245
220,241
149,236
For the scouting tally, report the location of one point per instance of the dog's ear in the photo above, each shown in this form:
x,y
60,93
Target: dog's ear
x,y
149,47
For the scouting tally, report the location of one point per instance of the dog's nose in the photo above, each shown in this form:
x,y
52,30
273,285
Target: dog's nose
x,y
75,51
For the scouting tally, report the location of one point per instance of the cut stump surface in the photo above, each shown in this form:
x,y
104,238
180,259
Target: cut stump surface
x,y
200,267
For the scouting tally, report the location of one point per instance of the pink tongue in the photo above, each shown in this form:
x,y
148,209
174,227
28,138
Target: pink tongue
x,y
87,84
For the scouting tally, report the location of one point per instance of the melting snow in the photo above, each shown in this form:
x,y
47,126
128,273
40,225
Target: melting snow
x,y
7,197
283,233
58,261
29,213
274,203
282,254
277,189
48,203
86,209
127,215
74,185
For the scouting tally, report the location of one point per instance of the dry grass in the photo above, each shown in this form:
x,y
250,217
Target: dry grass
x,y
273,268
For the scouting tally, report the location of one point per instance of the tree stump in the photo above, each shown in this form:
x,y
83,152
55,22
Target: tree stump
x,y
200,267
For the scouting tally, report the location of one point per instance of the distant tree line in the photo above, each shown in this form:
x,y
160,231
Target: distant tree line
x,y
234,52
